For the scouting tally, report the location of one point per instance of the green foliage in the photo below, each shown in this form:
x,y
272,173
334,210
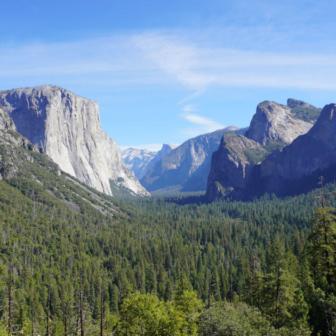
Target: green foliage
x,y
145,314
323,243
257,155
223,319
279,286
175,254
309,114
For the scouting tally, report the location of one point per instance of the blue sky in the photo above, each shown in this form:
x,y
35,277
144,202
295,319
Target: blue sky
x,y
166,71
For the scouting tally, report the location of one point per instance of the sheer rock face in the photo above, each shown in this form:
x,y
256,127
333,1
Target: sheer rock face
x,y
274,122
230,167
291,170
10,140
298,166
68,127
272,126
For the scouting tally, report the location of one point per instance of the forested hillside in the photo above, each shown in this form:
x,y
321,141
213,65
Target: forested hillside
x,y
75,261
61,269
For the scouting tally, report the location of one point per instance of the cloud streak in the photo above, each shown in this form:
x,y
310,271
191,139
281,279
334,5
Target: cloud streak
x,y
200,124
166,60
207,124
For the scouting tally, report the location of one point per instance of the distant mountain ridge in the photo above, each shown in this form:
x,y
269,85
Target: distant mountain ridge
x,y
139,161
250,165
68,127
186,167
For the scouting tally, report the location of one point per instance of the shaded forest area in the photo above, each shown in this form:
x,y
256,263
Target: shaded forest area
x,y
228,268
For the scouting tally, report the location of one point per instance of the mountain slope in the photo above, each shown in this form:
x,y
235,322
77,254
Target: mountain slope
x,y
292,169
297,167
68,127
186,168
27,168
139,161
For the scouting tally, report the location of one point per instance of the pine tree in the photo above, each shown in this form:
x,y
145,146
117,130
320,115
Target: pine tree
x,y
181,286
279,286
253,280
323,238
115,299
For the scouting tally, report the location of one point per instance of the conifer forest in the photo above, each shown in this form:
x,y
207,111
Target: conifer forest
x,y
167,265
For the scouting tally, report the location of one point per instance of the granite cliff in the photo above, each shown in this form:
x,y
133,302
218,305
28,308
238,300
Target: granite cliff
x,y
297,167
186,167
275,122
231,166
33,174
241,168
68,128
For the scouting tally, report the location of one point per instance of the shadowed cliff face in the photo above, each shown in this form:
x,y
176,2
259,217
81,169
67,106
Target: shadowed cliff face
x,y
231,167
68,127
290,153
296,167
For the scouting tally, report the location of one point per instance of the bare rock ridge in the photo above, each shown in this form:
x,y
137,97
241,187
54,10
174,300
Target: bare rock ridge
x,y
275,122
186,167
139,161
265,164
68,128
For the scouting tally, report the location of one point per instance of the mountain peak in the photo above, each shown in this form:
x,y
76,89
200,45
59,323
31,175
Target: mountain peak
x,y
275,122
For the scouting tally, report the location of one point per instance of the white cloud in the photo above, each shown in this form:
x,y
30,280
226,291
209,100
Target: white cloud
x,y
189,108
197,67
201,125
153,59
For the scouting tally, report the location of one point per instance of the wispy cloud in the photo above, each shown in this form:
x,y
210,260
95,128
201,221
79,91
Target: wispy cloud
x,y
189,108
200,125
198,67
157,58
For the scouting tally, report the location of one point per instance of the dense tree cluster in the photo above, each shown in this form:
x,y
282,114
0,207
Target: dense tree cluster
x,y
167,268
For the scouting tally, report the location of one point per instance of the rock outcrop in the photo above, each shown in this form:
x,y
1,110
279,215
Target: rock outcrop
x,y
242,169
139,161
68,128
231,167
275,122
297,167
290,170
186,167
